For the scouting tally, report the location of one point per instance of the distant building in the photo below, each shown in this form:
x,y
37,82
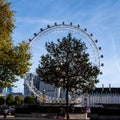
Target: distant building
x,y
94,98
16,94
9,90
5,91
100,96
2,91
31,81
31,78
50,90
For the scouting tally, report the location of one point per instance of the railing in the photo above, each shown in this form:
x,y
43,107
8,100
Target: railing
x,y
47,99
37,93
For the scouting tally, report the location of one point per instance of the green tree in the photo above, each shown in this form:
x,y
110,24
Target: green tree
x,y
67,65
14,59
2,100
19,99
29,100
10,99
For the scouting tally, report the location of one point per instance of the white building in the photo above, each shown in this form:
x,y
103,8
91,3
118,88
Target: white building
x,y
101,96
30,77
31,82
2,91
95,98
49,90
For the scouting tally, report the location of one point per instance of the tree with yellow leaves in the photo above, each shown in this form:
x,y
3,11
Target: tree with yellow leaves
x,y
14,60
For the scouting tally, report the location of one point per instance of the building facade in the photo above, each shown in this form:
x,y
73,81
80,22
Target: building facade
x,y
30,77
32,86
94,98
5,91
2,91
100,96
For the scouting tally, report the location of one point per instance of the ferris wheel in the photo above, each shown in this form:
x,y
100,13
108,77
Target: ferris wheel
x,y
58,31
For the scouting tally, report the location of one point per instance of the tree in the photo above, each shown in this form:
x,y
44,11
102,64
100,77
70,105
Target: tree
x,y
19,99
6,22
14,59
14,63
67,65
10,100
2,100
29,100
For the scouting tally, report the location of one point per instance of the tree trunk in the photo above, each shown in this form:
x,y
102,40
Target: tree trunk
x,y
67,102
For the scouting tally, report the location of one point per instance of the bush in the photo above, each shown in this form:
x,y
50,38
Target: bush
x,y
19,99
10,100
29,100
2,100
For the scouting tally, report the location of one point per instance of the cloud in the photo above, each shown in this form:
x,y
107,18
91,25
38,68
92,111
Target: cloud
x,y
36,20
101,17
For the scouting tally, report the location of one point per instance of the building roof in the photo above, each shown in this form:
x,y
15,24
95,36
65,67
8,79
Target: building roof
x,y
108,90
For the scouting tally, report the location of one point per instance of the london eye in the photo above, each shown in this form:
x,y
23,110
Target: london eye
x,y
58,31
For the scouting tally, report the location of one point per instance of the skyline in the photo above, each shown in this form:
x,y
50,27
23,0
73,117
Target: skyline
x,y
100,17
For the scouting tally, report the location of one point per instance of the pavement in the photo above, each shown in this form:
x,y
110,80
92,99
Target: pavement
x,y
72,117
24,118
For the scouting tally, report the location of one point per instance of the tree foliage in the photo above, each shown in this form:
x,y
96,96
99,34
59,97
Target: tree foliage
x,y
67,63
14,60
6,21
19,99
29,100
2,100
10,99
